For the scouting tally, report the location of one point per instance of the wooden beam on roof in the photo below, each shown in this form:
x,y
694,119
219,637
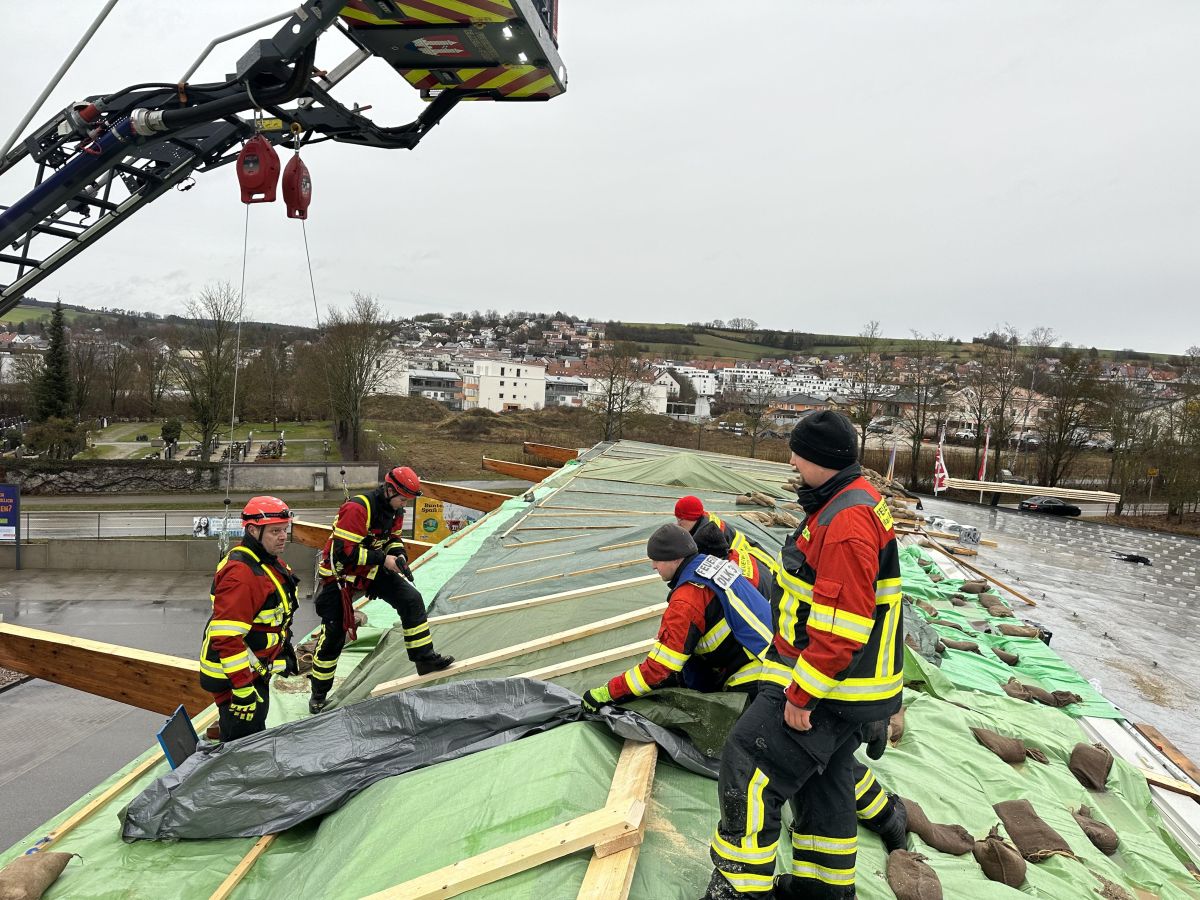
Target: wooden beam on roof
x,y
545,673
610,873
996,581
239,872
471,498
310,534
517,605
1169,750
1167,783
588,571
551,452
515,650
1032,490
141,678
518,470
552,843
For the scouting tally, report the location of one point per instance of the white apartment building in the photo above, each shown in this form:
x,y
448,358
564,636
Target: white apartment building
x,y
704,382
502,385
653,394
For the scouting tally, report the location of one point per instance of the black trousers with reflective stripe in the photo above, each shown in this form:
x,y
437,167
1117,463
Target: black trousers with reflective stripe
x,y
398,593
766,764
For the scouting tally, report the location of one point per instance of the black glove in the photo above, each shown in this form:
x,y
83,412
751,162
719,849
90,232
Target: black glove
x,y
875,737
592,701
290,665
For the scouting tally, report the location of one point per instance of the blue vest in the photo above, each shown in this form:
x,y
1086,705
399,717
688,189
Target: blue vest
x,y
746,610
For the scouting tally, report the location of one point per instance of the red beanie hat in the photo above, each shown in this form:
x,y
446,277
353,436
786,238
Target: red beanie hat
x,y
689,508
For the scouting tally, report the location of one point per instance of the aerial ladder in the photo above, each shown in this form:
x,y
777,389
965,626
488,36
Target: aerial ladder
x,y
100,160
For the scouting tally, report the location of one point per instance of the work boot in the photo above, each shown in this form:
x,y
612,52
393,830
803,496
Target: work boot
x,y
317,702
432,662
789,887
892,826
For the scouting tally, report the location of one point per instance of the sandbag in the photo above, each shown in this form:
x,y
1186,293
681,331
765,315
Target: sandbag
x,y
954,625
928,608
1033,836
1011,750
1029,631
973,587
1017,690
1057,699
1090,764
910,878
952,839
1005,657
999,611
28,877
1000,860
1103,838
966,646
957,601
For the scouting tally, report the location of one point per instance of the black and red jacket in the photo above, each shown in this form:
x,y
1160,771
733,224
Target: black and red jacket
x,y
365,531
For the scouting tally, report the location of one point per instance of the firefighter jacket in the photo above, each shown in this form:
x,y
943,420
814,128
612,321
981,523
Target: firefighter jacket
x,y
253,601
717,537
366,530
713,635
840,624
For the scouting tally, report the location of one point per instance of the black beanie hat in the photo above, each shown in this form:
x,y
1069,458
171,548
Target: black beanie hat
x,y
670,542
826,438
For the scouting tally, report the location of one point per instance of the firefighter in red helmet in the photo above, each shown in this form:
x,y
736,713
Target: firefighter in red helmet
x,y
366,555
249,631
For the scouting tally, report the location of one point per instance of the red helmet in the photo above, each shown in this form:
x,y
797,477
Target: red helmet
x,y
403,481
266,511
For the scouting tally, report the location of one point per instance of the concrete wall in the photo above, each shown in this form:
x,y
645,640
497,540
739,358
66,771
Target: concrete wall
x,y
129,555
298,476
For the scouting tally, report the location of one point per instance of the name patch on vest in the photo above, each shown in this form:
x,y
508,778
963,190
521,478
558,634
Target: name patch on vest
x,y
721,571
884,514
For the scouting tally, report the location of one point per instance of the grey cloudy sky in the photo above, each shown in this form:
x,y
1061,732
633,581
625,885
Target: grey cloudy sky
x,y
944,165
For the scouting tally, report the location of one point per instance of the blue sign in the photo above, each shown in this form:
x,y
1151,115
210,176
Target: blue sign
x,y
10,512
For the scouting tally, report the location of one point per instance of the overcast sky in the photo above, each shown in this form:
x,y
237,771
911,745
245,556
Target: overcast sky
x,y
944,166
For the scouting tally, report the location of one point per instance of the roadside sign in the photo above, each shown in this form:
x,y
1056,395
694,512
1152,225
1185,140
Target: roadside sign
x,y
429,520
1152,472
10,519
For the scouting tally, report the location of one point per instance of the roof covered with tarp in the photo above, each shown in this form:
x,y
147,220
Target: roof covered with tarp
x,y
554,586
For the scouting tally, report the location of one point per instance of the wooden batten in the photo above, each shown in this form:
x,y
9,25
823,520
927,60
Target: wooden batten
x,y
141,678
551,452
310,534
484,501
518,470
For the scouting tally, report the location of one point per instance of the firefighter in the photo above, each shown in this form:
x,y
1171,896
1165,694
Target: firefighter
x,y
835,668
247,635
717,537
714,631
366,555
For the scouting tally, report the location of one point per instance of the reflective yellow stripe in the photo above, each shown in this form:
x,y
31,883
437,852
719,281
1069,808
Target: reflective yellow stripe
x,y
755,811
751,671
823,873
362,555
667,657
844,624
348,535
776,673
812,681
823,844
892,619
211,668
873,808
227,628
712,640
637,684
754,856
864,784
752,620
412,632
413,643
236,663
748,882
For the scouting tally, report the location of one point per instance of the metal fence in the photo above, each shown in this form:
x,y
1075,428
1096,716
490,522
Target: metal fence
x,y
164,525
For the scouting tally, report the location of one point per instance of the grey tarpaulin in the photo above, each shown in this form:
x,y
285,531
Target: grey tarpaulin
x,y
281,777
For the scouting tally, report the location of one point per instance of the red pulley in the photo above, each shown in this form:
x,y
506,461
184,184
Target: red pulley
x,y
297,188
258,170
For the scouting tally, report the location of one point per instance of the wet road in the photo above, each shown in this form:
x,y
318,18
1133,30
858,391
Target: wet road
x,y
1131,629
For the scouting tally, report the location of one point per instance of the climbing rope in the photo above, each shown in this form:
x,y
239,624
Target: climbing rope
x,y
237,362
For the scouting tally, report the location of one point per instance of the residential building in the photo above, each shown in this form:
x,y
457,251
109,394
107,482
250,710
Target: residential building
x,y
504,385
565,390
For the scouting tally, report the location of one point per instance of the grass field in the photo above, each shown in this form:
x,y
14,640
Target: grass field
x,y
37,313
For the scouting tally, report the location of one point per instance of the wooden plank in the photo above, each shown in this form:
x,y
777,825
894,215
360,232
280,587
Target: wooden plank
x,y
982,574
517,605
637,648
524,562
610,872
944,535
310,534
484,501
636,543
518,470
507,653
526,853
141,678
616,565
1032,490
1169,750
565,527
551,452
1174,785
235,877
101,800
553,540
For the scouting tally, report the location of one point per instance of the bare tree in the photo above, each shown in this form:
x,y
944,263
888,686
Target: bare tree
x,y
86,369
267,377
867,387
205,369
928,402
1074,395
620,388
117,372
1002,362
353,353
153,370
757,402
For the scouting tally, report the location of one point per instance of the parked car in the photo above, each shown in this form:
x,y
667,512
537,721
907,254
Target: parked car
x,y
1007,477
1050,505
965,436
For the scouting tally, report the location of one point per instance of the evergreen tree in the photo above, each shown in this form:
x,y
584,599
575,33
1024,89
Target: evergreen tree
x,y
52,393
